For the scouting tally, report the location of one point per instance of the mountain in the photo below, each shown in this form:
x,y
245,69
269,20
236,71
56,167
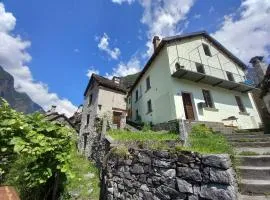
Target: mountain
x,y
129,80
18,100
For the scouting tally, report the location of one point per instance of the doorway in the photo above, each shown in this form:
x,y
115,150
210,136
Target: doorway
x,y
117,118
188,107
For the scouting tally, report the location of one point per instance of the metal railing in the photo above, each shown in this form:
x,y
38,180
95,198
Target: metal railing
x,y
190,65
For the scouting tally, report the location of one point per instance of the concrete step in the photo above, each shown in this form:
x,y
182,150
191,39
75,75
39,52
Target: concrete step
x,y
251,144
249,186
258,150
256,139
253,197
247,137
248,133
254,172
257,161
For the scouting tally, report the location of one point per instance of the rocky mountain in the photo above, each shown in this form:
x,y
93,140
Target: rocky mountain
x,y
17,100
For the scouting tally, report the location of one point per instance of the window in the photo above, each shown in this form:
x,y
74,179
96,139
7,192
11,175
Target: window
x,y
84,142
90,99
99,107
200,68
137,95
206,50
87,120
2,94
148,86
149,106
137,114
208,98
240,104
140,91
230,76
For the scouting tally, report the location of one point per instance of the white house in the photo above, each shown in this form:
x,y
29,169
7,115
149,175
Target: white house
x,y
195,77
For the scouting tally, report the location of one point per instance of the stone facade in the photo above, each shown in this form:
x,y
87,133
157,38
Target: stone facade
x,y
160,175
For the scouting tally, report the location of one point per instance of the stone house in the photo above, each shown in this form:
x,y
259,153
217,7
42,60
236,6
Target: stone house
x,y
103,98
193,77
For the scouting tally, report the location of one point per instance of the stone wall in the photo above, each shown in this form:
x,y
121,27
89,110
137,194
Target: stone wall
x,y
160,175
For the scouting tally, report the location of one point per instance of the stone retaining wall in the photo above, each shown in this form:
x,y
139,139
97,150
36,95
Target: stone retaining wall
x,y
160,175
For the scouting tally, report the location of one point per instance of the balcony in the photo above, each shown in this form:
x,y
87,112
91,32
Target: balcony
x,y
191,70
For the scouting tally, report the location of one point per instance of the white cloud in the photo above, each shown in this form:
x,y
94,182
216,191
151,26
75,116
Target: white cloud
x,y
123,1
247,35
197,16
91,71
14,57
124,69
104,46
211,9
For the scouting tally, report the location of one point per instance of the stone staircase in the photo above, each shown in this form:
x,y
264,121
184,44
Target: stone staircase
x,y
253,149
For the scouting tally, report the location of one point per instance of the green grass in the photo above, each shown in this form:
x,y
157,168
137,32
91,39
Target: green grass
x,y
123,135
204,140
248,153
85,182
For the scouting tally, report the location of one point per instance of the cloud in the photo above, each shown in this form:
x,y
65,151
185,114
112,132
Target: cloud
x,y
197,16
14,57
91,71
123,1
247,33
123,69
211,9
104,46
76,50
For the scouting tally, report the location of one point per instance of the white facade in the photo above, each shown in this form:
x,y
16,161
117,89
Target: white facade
x,y
166,91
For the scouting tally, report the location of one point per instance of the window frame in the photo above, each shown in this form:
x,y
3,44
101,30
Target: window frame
x,y
206,50
208,104
230,76
148,84
87,119
200,65
90,99
149,106
136,95
240,104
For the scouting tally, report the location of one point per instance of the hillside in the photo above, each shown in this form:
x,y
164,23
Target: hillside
x,y
18,100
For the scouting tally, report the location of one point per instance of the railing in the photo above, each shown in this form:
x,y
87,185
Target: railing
x,y
209,70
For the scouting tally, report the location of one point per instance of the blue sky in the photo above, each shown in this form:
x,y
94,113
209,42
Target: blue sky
x,y
66,40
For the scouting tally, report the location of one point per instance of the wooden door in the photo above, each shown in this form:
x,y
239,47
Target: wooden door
x,y
188,106
117,118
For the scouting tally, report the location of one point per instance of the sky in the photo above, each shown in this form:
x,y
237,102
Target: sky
x,y
52,47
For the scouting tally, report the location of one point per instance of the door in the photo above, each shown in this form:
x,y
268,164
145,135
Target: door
x,y
117,118
188,106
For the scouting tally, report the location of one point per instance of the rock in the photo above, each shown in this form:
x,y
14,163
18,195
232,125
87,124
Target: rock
x,y
184,186
137,169
190,174
221,176
193,197
110,190
162,163
221,161
144,159
170,173
144,188
217,192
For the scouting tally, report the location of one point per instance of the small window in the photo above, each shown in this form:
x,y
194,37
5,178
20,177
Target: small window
x,y
137,114
84,142
148,86
140,91
99,107
87,120
230,76
137,95
207,50
200,68
90,99
2,94
208,98
149,106
240,104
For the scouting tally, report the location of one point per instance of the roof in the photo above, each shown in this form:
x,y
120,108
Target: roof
x,y
105,83
54,116
167,40
254,59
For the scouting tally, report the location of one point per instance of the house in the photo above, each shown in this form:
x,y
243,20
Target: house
x,y
194,77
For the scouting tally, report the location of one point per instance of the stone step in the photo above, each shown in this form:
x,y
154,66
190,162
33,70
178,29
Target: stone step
x,y
258,150
254,172
258,139
249,186
259,161
248,133
251,144
247,136
253,197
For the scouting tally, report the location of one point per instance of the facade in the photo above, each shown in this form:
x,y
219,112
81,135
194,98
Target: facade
x,y
193,77
103,98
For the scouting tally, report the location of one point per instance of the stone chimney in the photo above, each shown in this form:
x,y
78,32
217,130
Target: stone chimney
x,y
156,41
52,110
259,68
116,80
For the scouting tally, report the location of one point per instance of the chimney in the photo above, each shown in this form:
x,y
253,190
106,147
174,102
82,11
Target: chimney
x,y
116,80
259,67
156,41
52,110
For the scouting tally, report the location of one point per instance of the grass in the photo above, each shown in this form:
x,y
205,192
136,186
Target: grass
x,y
123,135
248,153
85,184
204,140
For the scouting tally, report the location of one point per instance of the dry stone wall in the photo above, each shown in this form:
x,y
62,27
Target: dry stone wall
x,y
160,175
